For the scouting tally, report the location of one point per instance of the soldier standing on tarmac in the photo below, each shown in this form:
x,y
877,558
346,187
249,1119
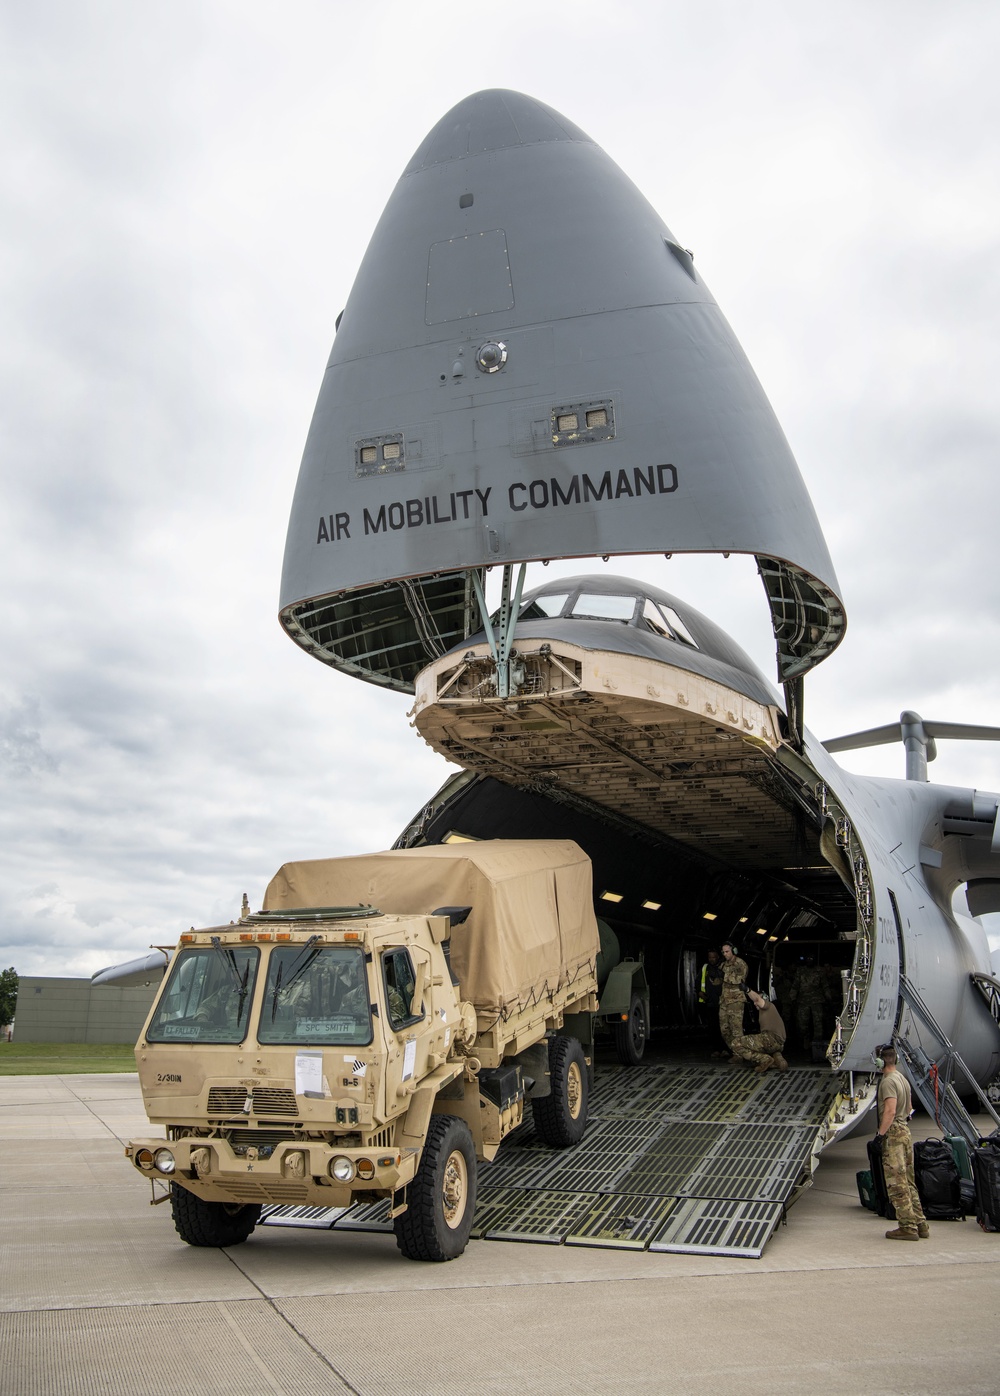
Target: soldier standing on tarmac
x,y
734,973
894,1107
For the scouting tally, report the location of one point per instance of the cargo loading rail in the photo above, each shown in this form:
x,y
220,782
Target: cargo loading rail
x,y
691,1159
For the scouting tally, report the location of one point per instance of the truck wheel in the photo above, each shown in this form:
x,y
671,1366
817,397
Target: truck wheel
x,y
630,1035
441,1200
201,1223
561,1116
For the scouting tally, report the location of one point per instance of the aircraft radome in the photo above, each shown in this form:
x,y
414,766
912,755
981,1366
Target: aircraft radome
x,y
529,366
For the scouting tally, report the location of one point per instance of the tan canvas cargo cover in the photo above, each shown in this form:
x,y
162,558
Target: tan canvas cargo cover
x,y
531,933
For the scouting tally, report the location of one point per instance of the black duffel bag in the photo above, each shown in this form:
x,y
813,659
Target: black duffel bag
x,y
985,1160
938,1180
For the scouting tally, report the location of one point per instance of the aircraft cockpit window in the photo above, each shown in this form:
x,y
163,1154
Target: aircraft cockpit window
x,y
664,620
544,607
654,620
681,632
595,606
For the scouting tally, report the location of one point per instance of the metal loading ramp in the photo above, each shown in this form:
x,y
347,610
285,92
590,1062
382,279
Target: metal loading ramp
x,y
686,1158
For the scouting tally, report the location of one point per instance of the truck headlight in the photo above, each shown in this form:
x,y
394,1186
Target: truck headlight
x,y
164,1161
342,1169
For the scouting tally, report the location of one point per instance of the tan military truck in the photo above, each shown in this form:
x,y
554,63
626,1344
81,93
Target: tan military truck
x,y
372,1033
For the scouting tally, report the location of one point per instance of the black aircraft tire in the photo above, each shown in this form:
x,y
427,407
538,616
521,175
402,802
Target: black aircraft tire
x,y
630,1035
441,1200
201,1223
561,1117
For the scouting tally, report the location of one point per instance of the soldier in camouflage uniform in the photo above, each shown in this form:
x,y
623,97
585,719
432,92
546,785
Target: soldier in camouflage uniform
x,y
810,993
894,1106
763,1048
734,973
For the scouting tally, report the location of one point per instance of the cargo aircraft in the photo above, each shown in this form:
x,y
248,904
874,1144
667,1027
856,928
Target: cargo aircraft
x,y
530,367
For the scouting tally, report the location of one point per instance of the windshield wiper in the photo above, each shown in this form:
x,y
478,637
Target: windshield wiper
x,y
241,981
299,966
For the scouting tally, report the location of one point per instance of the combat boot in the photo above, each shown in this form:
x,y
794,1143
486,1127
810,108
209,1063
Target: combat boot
x,y
901,1234
923,1230
779,1062
761,1067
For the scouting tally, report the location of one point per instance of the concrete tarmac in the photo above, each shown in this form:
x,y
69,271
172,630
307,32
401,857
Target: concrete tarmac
x,y
99,1295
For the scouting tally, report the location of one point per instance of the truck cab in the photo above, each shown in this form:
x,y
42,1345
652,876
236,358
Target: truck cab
x,y
322,1055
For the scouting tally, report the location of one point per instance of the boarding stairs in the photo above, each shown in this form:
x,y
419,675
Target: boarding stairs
x,y
933,1078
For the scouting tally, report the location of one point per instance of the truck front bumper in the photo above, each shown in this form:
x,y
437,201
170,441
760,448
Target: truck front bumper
x,y
300,1171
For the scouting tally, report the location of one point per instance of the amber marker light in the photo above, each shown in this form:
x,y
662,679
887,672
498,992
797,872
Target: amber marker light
x,y
366,1169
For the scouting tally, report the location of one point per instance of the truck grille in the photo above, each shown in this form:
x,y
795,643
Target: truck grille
x,y
272,1100
264,1190
226,1100
267,1100
259,1138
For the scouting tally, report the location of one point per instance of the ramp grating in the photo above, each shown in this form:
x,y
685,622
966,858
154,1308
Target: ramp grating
x,y
693,1159
365,1216
318,1218
547,1217
710,1226
622,1222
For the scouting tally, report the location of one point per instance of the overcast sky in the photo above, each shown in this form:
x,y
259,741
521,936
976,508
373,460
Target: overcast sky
x,y
187,192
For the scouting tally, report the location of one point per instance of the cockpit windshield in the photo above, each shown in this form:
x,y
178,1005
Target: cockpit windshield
x,y
595,605
316,994
626,608
207,996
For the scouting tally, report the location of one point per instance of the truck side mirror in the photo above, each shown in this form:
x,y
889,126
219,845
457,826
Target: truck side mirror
x,y
456,914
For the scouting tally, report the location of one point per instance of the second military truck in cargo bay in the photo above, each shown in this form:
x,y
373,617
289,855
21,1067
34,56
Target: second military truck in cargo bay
x,y
341,1046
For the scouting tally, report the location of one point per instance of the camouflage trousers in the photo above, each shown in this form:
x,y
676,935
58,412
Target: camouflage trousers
x,y
731,1021
897,1165
757,1047
809,1020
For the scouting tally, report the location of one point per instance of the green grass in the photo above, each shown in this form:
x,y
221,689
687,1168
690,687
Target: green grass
x,y
64,1058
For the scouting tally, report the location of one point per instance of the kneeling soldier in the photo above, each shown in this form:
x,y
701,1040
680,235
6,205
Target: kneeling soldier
x,y
764,1047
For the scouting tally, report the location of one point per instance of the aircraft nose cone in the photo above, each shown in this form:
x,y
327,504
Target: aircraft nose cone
x,y
530,366
495,119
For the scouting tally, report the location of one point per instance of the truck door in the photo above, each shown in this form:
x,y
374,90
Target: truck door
x,y
407,1056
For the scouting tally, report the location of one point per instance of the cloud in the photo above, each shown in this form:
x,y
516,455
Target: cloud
x,y
190,192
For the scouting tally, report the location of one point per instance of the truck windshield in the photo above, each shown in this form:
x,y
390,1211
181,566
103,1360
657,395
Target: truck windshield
x,y
316,994
207,996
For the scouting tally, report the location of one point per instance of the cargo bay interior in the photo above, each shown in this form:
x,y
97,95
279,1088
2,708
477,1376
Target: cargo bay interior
x,y
669,900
